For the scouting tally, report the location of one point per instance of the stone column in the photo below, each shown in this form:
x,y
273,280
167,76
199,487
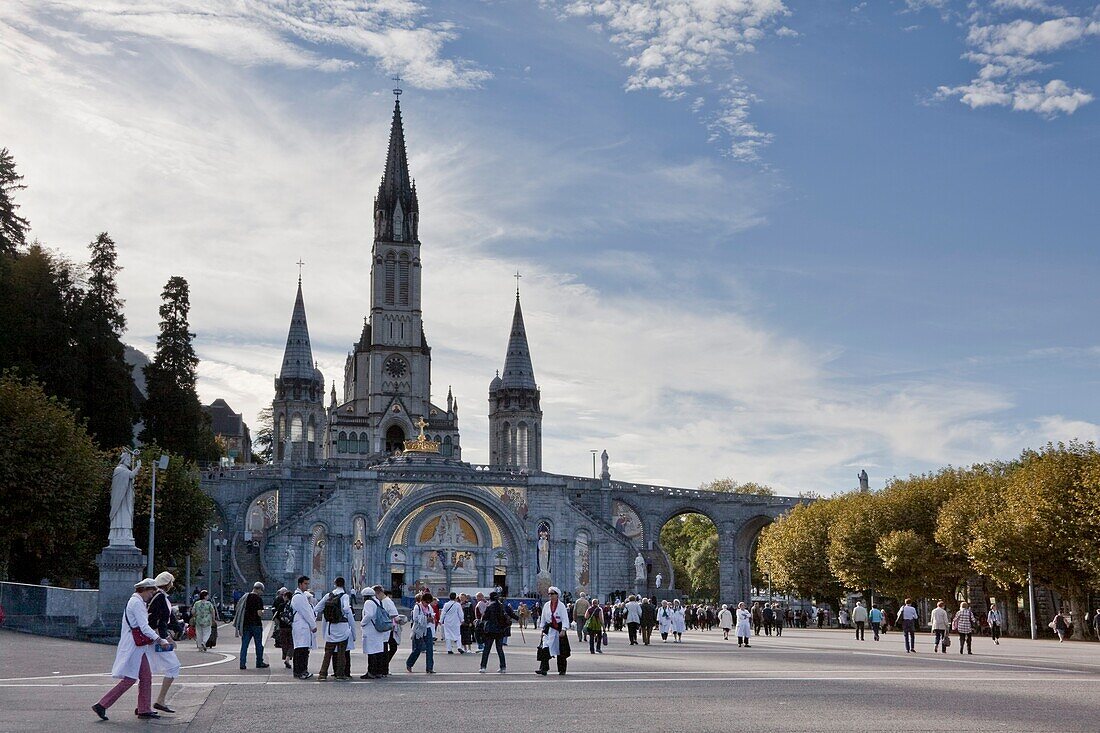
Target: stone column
x,y
120,567
729,585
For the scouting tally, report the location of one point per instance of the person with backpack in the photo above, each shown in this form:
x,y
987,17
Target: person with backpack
x,y
497,621
338,630
963,624
303,627
377,627
283,616
593,623
423,633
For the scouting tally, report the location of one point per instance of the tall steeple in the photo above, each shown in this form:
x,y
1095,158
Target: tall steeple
x,y
396,209
518,372
298,355
515,417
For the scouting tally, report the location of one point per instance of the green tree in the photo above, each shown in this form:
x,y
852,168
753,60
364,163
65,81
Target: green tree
x,y
51,477
263,446
183,510
13,228
729,486
793,550
173,415
107,384
687,539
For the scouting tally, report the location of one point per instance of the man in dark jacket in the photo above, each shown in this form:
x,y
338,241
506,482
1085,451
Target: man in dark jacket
x,y
252,626
649,620
496,624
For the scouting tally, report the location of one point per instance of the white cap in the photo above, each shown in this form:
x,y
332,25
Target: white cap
x,y
145,584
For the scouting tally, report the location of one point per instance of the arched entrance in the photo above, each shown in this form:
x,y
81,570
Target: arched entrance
x,y
689,541
452,541
395,439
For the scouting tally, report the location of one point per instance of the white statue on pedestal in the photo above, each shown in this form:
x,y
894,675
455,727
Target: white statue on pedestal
x,y
290,559
122,501
639,568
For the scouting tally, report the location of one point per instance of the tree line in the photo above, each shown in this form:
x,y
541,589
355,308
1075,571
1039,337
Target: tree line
x,y
927,535
69,404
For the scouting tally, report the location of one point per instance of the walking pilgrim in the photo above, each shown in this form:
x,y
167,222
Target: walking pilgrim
x,y
303,629
725,621
133,657
451,618
338,630
161,618
554,623
678,622
377,626
744,625
664,620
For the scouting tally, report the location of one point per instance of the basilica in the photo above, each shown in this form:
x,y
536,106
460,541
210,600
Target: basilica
x,y
372,486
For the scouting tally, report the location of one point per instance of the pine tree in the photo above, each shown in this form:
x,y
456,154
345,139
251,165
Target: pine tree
x,y
107,385
173,415
13,228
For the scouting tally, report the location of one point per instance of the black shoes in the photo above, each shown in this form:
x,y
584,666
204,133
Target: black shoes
x,y
262,665
306,676
286,663
100,711
163,708
541,671
147,716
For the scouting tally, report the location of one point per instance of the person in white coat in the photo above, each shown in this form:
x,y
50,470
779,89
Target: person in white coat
x,y
554,623
725,621
664,620
451,618
678,622
338,630
133,663
744,625
374,640
304,628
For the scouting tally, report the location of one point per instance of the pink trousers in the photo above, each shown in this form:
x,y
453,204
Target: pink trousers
x,y
145,688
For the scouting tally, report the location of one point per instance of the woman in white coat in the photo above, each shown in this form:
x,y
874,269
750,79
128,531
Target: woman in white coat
x,y
133,662
664,620
554,622
744,625
304,628
678,621
725,621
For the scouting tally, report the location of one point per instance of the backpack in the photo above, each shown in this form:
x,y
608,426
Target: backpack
x,y
381,620
334,609
286,615
420,623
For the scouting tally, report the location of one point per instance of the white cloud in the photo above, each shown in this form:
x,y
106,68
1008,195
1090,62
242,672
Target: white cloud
x,y
673,46
1007,52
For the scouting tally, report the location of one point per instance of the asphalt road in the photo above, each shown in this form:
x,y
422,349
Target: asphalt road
x,y
805,681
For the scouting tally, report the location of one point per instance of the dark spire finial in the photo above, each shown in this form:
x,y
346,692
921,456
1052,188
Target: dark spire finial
x,y
517,276
396,87
300,264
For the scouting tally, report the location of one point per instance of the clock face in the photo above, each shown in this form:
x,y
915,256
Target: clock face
x,y
395,367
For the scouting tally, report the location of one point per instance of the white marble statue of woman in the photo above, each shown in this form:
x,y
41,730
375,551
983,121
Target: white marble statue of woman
x,y
639,567
122,501
289,567
544,552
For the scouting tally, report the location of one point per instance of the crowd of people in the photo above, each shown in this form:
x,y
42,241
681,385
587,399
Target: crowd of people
x,y
302,622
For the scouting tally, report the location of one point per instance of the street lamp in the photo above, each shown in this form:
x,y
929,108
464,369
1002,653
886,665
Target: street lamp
x,y
593,464
162,464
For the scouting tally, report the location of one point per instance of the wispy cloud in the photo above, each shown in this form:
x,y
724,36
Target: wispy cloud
x,y
673,46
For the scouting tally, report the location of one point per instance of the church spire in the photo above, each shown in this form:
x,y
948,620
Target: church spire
x,y
396,206
518,371
298,355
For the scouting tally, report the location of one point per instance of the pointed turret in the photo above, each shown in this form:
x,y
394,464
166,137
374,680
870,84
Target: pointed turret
x,y
298,355
518,372
396,208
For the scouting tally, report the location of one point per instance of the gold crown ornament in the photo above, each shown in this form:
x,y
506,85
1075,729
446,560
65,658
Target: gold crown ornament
x,y
421,444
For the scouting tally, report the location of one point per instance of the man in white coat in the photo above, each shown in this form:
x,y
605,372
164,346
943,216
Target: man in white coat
x,y
451,617
395,634
554,622
133,662
338,630
304,628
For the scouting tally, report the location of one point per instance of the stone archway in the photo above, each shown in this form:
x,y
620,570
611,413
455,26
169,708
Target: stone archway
x,y
738,544
395,438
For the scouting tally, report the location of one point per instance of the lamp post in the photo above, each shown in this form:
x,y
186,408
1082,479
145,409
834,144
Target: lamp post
x,y
1031,602
161,463
593,464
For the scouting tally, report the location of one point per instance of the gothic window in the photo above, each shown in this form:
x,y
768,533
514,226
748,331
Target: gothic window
x,y
391,275
521,445
506,444
353,443
448,447
342,442
311,438
403,279
398,223
364,443
296,428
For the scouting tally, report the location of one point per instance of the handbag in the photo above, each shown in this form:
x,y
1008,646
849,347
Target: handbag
x,y
946,641
212,640
603,641
140,639
542,654
563,645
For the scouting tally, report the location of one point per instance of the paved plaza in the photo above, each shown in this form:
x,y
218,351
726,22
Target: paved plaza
x,y
808,680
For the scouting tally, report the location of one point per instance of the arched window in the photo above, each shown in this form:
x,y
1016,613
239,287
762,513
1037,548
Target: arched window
x,y
342,442
353,443
398,222
403,279
506,444
311,438
448,447
364,443
296,431
521,445
391,275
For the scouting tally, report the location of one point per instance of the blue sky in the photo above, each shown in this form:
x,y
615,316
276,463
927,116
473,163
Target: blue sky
x,y
778,241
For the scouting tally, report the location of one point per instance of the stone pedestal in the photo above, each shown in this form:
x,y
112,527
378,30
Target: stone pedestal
x,y
120,567
640,588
